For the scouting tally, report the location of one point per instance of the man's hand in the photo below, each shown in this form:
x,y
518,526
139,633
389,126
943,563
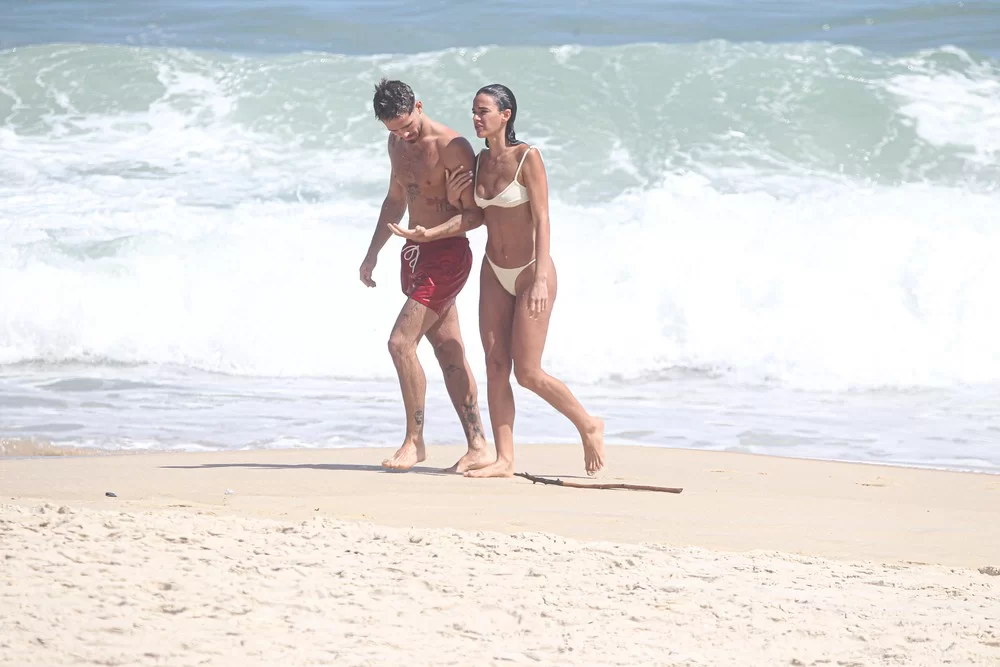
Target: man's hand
x,y
366,269
417,234
457,181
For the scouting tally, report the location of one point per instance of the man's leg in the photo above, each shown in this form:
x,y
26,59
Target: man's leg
x,y
413,322
446,337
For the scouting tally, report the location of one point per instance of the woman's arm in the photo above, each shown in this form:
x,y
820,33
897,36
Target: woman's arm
x,y
458,178
536,181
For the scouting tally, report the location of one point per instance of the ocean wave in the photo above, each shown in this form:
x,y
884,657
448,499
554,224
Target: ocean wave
x,y
804,214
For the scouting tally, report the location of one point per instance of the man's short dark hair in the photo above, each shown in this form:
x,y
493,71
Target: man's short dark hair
x,y
392,100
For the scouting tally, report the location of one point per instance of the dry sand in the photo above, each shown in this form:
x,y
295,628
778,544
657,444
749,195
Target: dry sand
x,y
320,558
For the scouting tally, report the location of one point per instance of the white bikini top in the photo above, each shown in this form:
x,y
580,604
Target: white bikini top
x,y
513,195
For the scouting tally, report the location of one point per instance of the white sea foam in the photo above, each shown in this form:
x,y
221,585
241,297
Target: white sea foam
x,y
214,219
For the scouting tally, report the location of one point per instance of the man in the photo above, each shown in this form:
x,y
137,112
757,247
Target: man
x,y
421,151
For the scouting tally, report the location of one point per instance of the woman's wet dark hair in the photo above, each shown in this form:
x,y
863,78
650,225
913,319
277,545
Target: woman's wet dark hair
x,y
505,99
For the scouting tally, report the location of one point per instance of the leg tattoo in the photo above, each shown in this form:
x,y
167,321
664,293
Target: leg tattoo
x,y
470,421
478,455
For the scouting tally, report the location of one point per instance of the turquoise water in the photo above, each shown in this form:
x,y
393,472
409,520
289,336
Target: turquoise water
x,y
398,26
775,223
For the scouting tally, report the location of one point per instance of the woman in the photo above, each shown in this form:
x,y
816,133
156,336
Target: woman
x,y
517,279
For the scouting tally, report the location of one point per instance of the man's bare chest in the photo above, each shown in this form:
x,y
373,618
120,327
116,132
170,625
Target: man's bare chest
x,y
418,167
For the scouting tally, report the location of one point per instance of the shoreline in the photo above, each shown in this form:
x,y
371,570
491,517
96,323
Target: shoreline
x,y
730,501
12,448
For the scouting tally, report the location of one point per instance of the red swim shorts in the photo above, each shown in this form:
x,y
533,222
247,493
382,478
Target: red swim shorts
x,y
433,273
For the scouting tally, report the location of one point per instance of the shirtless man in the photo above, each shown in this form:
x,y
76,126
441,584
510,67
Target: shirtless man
x,y
422,152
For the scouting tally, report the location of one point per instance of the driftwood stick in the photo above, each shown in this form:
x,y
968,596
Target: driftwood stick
x,y
558,482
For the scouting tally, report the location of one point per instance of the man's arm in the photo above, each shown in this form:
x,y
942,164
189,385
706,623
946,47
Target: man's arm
x,y
461,157
457,157
393,208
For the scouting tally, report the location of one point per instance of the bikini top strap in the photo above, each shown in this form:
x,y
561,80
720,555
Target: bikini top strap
x,y
521,163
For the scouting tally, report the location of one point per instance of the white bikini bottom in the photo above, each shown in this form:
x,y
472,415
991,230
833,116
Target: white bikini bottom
x,y
508,277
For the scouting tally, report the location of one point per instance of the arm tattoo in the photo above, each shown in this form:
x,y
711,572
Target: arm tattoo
x,y
440,204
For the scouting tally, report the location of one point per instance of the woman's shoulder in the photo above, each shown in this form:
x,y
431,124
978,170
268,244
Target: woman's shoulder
x,y
530,156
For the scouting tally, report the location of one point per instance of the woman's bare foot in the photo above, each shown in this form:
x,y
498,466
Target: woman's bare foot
x,y
593,446
408,455
498,468
474,459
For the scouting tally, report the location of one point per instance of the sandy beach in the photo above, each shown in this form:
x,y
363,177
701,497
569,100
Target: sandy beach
x,y
317,557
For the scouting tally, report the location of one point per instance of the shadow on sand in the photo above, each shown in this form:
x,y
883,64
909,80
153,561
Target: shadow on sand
x,y
355,467
351,467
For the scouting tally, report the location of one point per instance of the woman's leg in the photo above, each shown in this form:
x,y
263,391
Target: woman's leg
x,y
527,344
496,312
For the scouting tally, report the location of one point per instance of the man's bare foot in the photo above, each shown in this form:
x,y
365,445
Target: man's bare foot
x,y
408,455
498,468
474,459
593,446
